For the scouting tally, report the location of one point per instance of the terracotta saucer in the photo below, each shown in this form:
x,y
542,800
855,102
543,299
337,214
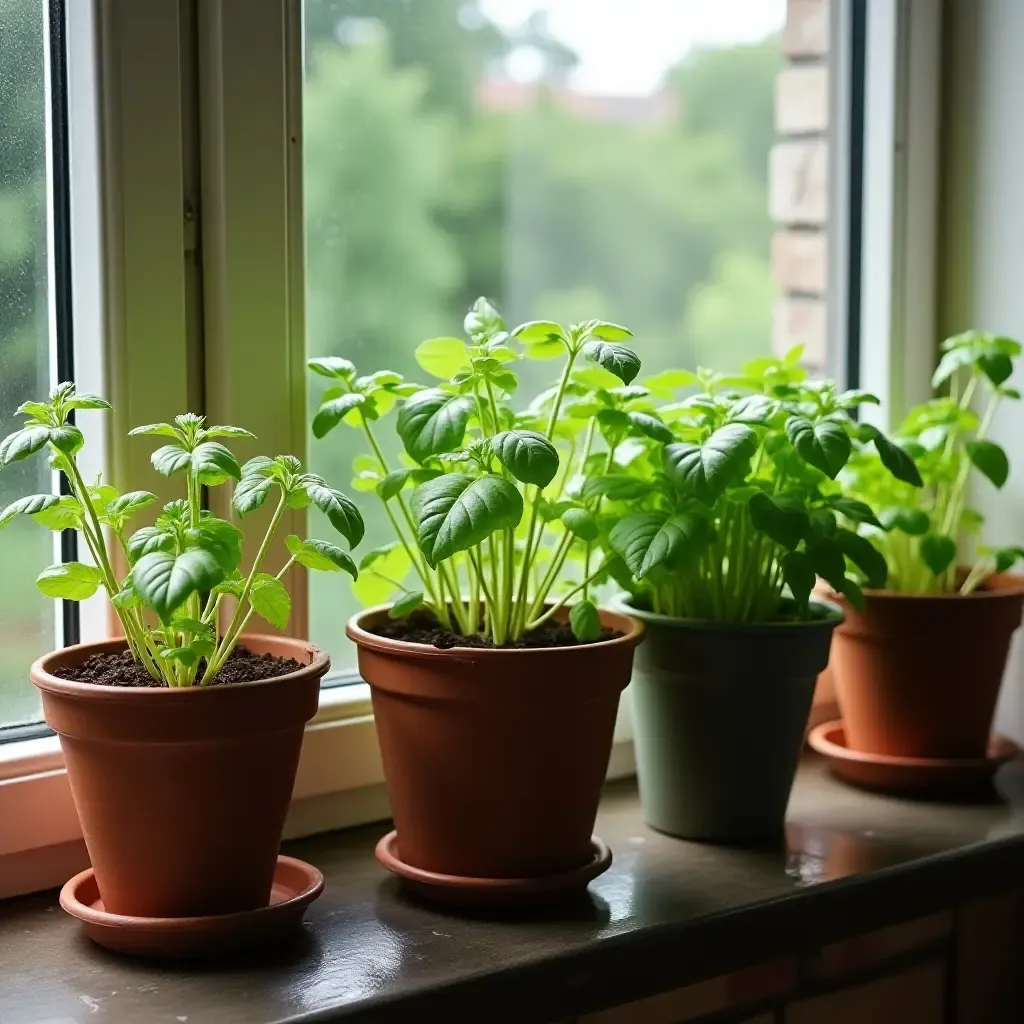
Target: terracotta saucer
x,y
911,776
460,891
296,884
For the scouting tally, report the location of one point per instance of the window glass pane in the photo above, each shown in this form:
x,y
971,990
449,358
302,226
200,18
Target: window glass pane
x,y
566,158
27,619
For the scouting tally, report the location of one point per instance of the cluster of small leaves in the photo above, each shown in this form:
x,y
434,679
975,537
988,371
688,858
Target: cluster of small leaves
x,y
725,504
184,563
946,437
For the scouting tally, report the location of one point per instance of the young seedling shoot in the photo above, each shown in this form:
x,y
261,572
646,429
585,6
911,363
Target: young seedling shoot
x,y
480,504
947,438
184,566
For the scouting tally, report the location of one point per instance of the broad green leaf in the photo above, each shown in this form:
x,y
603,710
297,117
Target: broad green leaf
x,y
953,360
442,357
148,540
1006,558
126,596
155,430
824,445
828,562
616,488
527,455
483,321
380,573
456,511
270,598
997,366
321,555
937,552
66,514
855,511
651,425
585,621
72,581
551,510
130,503
753,409
910,520
785,526
213,463
38,410
87,401
22,443
164,580
331,412
251,492
581,522
432,422
333,366
170,459
990,459
537,332
865,556
705,470
30,506
666,383
393,483
610,332
798,573
544,350
648,539
854,397
222,430
340,510
894,458
406,605
67,439
233,585
613,357
259,465
221,538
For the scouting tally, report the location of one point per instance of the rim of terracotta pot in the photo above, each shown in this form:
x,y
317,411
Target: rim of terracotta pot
x,y
1010,584
42,676
632,630
833,616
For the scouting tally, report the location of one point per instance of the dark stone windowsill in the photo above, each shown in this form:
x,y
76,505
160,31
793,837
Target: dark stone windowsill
x,y
666,914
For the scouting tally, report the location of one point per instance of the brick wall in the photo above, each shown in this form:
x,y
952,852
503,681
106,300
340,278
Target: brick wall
x,y
798,183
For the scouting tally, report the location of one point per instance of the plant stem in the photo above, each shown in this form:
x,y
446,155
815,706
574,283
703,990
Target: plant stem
x,y
572,593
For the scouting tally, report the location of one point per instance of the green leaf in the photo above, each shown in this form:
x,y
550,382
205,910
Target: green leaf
x,y
865,556
320,555
937,552
854,397
72,581
894,458
377,571
990,459
456,511
251,492
855,511
997,366
128,504
333,366
148,540
1006,558
798,573
432,422
340,510
126,596
581,522
170,459
22,443
610,332
30,506
233,585
213,463
188,654
483,321
705,470
651,425
910,520
543,350
756,409
585,621
155,429
527,455
65,515
648,539
87,401
270,598
615,358
38,410
221,538
442,357
164,580
331,412
616,487
666,383
783,525
828,562
538,331
221,430
67,439
953,360
405,605
824,445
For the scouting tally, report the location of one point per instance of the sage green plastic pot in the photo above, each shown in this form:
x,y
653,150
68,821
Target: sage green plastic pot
x,y
719,714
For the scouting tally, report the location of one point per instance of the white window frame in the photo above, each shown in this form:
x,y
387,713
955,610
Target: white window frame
x,y
195,120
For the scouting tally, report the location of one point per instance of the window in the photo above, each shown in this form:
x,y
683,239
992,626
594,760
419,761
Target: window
x,y
564,158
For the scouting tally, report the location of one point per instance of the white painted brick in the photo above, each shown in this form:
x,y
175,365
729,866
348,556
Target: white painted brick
x,y
800,261
798,183
801,100
806,31
800,321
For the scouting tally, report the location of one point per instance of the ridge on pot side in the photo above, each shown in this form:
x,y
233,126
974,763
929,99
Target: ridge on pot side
x,y
181,739
918,668
495,685
717,525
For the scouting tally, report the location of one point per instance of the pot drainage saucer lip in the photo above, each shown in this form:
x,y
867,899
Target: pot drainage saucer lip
x,y
464,891
296,884
912,776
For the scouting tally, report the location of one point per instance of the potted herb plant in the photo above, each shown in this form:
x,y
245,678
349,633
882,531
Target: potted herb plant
x,y
722,508
495,688
919,666
181,739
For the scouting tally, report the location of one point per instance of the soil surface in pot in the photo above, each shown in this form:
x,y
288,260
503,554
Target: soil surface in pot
x,y
423,628
120,669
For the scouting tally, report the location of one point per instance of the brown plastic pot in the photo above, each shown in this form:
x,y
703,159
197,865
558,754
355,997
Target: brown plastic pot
x,y
495,758
919,675
182,793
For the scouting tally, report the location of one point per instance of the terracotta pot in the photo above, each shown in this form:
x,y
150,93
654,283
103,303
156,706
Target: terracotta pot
x,y
919,675
719,716
182,793
495,758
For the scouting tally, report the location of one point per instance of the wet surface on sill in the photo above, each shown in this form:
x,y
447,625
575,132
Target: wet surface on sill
x,y
667,912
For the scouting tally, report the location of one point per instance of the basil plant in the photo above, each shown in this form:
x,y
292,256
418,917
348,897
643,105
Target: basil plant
x,y
185,566
725,505
479,500
948,439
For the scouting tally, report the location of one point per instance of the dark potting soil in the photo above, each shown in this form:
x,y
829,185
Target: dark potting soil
x,y
423,628
121,669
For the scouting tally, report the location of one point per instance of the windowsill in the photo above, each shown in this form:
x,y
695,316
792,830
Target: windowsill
x,y
667,913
